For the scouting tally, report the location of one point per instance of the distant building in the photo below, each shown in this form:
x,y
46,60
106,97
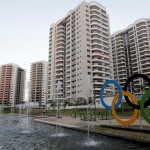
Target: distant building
x,y
131,54
79,46
38,82
12,84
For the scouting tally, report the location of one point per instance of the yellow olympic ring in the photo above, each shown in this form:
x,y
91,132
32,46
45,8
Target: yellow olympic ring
x,y
135,112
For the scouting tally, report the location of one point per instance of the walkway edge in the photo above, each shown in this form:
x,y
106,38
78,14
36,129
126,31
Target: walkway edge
x,y
116,135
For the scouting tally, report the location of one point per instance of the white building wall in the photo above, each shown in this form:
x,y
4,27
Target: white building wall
x,y
131,53
72,57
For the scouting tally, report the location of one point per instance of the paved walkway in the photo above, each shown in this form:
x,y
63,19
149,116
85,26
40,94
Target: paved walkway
x,y
138,134
78,122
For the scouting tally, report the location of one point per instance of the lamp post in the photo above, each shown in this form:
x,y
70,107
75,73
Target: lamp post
x,y
141,87
91,87
94,99
58,92
138,98
3,104
27,105
45,103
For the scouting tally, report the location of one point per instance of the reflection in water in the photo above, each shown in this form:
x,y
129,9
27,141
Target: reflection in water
x,y
92,143
59,134
18,132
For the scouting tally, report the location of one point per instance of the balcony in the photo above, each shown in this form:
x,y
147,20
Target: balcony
x,y
135,67
59,74
101,60
59,64
121,59
145,67
123,64
143,55
143,59
96,22
60,27
122,74
100,50
120,48
146,72
60,46
60,69
143,45
142,33
96,37
94,9
60,35
59,52
119,41
141,24
121,54
60,42
59,79
143,41
59,58
122,77
100,54
60,39
101,77
95,16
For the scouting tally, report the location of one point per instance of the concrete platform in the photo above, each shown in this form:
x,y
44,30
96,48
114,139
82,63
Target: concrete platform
x,y
104,127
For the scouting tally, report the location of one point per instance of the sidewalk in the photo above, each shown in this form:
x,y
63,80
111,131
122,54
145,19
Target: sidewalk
x,y
78,122
103,127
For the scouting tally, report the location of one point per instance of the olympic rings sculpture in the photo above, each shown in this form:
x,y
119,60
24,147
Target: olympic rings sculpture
x,y
143,103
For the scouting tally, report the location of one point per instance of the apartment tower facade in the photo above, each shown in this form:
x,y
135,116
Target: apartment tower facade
x,y
38,82
12,84
131,54
79,48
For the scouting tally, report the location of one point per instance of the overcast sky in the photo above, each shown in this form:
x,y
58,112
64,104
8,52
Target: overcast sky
x,y
24,25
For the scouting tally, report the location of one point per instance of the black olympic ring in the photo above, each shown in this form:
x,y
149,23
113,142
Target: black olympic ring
x,y
147,103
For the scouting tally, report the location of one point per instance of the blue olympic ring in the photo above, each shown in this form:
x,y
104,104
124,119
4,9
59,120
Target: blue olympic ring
x,y
119,91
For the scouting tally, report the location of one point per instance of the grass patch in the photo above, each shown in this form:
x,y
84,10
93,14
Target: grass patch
x,y
124,111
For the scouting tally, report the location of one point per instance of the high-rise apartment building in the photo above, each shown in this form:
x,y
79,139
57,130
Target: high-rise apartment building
x,y
12,84
79,46
131,54
38,82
